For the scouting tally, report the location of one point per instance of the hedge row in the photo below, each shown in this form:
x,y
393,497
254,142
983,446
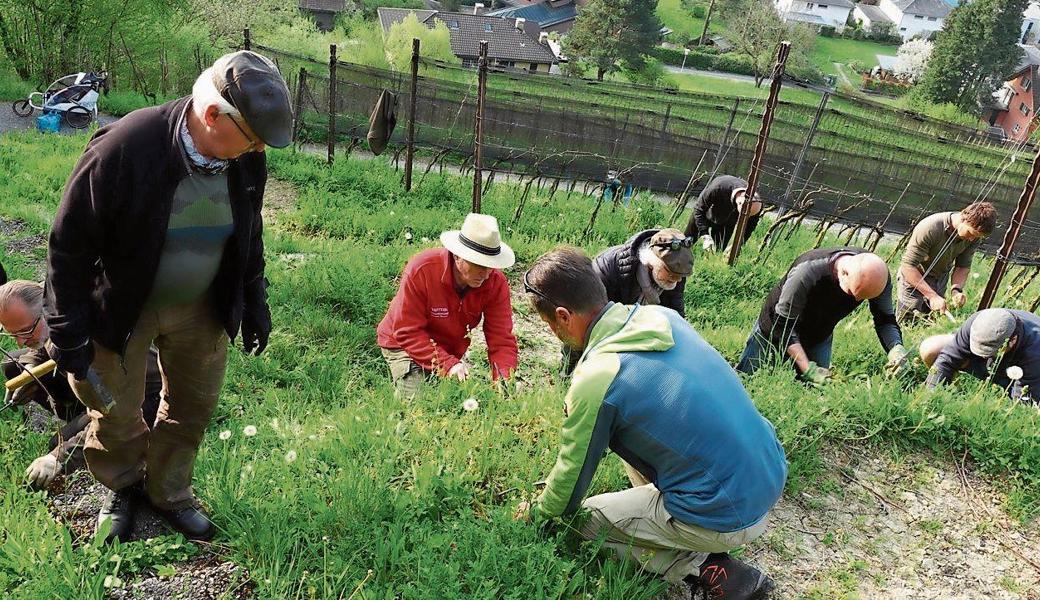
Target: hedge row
x,y
710,61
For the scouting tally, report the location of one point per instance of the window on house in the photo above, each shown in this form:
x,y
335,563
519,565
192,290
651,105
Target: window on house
x,y
533,67
919,17
453,24
809,5
932,19
1016,128
1026,82
822,6
902,29
487,27
1024,109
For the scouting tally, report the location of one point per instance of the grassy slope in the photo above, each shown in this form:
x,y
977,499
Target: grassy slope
x,y
414,499
680,19
828,51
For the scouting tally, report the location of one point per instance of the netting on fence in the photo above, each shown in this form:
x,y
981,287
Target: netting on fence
x,y
863,166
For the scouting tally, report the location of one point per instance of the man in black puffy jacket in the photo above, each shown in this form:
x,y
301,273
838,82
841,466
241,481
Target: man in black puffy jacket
x,y
158,239
650,268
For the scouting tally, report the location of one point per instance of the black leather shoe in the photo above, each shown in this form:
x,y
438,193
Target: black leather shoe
x,y
724,577
120,507
192,521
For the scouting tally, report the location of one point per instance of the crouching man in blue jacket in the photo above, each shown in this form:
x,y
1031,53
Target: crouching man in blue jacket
x,y
705,465
997,342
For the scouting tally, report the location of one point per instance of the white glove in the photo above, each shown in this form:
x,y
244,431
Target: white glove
x,y
459,371
707,243
42,471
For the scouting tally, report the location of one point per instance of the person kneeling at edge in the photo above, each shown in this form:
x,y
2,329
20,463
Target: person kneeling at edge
x,y
998,342
940,251
650,268
443,294
821,288
705,466
21,312
717,209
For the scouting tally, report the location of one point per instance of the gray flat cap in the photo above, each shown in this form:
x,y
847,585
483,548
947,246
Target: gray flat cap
x,y
990,331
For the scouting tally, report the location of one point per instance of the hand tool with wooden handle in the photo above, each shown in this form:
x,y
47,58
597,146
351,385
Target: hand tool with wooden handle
x,y
23,378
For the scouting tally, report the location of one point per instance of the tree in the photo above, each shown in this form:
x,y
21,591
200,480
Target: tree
x,y
613,34
912,59
974,54
756,29
435,43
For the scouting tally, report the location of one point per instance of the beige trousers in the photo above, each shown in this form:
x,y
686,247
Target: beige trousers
x,y
637,527
119,447
407,375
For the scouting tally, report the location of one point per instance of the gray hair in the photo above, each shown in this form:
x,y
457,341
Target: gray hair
x,y
29,293
649,258
205,94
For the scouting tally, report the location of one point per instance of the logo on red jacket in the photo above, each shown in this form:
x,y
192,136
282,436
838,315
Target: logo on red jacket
x,y
439,312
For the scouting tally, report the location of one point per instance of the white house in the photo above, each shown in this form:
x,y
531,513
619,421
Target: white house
x,y
1030,24
913,17
826,13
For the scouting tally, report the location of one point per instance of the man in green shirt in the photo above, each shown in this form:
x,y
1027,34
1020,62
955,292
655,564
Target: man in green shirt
x,y
939,252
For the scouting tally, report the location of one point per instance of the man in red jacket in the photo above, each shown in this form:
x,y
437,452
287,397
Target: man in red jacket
x,y
443,294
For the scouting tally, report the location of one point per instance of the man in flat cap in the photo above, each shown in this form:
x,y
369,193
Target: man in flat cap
x,y
717,209
158,239
650,268
444,293
996,342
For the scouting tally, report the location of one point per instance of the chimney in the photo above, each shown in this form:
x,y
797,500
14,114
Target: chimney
x,y
478,8
520,23
543,38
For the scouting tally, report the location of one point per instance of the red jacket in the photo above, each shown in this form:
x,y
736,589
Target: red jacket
x,y
431,322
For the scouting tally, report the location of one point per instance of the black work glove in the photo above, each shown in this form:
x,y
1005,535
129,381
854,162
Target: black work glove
x,y
75,362
256,329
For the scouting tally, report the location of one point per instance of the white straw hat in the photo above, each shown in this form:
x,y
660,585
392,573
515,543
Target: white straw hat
x,y
479,242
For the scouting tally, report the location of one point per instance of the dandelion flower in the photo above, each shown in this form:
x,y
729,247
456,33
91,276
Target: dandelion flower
x,y
974,275
249,430
425,240
1014,373
470,404
225,435
408,235
290,456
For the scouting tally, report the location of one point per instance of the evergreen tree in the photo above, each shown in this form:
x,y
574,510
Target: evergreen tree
x,y
974,53
611,34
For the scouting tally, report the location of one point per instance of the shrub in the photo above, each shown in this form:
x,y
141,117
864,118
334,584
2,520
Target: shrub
x,y
889,88
827,31
699,11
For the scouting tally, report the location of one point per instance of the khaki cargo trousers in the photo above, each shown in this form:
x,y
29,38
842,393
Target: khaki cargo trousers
x,y
637,527
119,448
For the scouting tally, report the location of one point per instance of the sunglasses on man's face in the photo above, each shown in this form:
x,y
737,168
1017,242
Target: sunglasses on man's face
x,y
675,244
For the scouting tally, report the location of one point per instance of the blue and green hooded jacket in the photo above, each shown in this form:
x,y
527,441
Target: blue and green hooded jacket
x,y
653,391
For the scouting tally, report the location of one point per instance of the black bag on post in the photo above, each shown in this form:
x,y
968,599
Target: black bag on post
x,y
382,122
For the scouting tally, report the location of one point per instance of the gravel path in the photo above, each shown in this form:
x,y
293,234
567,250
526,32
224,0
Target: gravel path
x,y
12,122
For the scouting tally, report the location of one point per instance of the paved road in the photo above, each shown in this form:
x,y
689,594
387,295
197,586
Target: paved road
x,y
742,78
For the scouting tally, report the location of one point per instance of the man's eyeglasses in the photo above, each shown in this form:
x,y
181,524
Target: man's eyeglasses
x,y
252,143
530,289
675,244
24,333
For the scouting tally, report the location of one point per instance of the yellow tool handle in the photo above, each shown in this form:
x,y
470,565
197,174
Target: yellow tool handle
x,y
38,371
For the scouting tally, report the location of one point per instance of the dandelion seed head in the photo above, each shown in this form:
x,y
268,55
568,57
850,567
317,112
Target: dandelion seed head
x,y
225,435
290,456
249,430
1015,373
408,235
470,404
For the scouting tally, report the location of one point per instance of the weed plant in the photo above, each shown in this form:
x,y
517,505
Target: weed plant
x,y
324,485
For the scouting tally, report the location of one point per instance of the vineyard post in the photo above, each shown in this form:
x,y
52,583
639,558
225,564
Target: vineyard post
x,y
410,143
297,108
332,104
1011,235
805,148
782,52
478,126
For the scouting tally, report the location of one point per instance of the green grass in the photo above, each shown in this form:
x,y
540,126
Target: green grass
x,y
387,498
676,15
828,51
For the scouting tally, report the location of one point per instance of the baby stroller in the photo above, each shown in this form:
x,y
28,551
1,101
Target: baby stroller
x,y
73,96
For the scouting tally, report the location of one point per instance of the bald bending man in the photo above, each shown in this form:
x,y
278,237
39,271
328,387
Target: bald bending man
x,y
821,288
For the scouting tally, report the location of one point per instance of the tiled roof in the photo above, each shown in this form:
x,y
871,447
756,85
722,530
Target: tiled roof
x,y
927,8
543,13
873,13
505,41
840,3
334,6
1030,56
